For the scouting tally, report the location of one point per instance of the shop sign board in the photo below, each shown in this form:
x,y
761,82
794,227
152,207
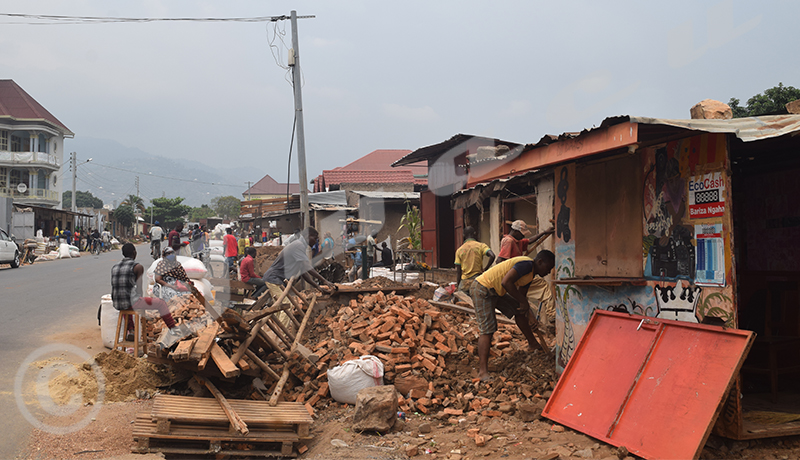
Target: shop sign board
x,y
706,195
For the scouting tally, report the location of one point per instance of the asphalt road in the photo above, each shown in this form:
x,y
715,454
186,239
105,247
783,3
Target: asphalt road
x,y
44,304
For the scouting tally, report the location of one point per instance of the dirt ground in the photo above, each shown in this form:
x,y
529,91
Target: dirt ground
x,y
518,373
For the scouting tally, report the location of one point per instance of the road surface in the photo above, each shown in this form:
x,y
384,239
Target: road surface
x,y
43,304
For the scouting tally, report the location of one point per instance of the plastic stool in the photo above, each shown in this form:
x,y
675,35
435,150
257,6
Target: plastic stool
x,y
138,331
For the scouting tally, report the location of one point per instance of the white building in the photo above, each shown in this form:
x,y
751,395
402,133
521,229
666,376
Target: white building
x,y
31,149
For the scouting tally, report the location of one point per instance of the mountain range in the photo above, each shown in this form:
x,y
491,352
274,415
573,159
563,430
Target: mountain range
x,y
112,173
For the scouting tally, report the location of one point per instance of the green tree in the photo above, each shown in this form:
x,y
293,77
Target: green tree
x,y
168,211
203,212
84,200
124,215
773,100
135,202
227,207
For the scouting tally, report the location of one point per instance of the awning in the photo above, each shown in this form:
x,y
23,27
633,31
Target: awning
x,y
389,195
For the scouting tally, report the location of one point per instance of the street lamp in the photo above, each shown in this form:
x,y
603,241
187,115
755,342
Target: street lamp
x,y
75,165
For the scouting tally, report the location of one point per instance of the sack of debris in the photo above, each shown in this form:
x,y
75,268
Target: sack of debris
x,y
63,251
346,380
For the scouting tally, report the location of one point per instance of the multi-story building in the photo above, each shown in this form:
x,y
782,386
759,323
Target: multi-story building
x,y
31,149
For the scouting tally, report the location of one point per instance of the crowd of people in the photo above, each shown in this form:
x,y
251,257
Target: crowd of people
x,y
83,239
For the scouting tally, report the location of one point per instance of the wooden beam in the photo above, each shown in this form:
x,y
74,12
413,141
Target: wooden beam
x,y
202,348
263,299
225,365
250,337
264,366
183,350
273,401
236,422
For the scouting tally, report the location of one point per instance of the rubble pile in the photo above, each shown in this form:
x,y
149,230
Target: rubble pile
x,y
184,308
265,255
429,354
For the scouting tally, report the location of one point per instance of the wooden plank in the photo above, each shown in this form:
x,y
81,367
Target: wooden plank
x,y
224,363
205,339
352,289
285,376
236,422
500,318
183,350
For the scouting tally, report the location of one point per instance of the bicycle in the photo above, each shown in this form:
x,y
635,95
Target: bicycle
x,y
155,249
96,246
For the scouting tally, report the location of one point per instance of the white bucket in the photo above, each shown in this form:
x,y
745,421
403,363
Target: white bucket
x,y
108,320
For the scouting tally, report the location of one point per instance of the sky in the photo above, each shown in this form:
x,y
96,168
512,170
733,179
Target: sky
x,y
384,75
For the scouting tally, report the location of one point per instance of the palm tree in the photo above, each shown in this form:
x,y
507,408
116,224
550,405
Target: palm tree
x,y
135,202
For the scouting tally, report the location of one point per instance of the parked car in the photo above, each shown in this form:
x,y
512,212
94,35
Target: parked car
x,y
9,251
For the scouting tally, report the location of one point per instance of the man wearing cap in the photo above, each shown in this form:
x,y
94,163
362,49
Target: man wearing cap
x,y
515,244
505,287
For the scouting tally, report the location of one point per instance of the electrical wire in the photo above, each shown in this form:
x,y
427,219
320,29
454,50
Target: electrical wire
x,y
67,20
149,174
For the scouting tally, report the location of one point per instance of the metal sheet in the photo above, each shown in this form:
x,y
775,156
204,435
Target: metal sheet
x,y
654,386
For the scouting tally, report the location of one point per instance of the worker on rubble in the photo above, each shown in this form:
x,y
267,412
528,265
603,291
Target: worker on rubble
x,y
293,261
505,287
248,272
469,260
516,243
170,276
126,288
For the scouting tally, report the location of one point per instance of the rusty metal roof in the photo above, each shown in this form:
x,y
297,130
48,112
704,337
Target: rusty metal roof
x,y
747,129
460,142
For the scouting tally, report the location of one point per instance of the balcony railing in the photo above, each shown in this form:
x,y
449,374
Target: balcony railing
x,y
32,194
36,158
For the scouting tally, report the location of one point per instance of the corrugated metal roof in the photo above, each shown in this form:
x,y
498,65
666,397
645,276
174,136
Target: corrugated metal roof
x,y
747,129
334,198
459,142
389,195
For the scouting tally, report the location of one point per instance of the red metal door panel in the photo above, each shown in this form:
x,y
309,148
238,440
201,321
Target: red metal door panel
x,y
654,386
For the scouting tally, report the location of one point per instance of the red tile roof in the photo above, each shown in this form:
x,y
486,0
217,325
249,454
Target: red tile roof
x,y
16,104
340,176
368,167
269,186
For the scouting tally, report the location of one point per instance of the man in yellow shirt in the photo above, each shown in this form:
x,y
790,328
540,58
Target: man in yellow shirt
x,y
505,287
469,260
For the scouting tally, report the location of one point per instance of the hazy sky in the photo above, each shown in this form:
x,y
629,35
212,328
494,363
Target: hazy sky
x,y
386,75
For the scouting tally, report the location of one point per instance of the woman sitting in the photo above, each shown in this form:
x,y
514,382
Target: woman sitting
x,y
171,278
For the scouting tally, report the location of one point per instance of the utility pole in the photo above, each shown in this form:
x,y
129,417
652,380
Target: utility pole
x,y
248,190
74,163
298,112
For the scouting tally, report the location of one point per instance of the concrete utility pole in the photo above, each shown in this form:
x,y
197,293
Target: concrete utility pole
x,y
298,111
73,159
248,190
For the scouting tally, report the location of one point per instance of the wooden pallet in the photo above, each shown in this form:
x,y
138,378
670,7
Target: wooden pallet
x,y
182,424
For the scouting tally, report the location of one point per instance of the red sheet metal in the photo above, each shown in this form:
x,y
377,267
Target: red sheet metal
x,y
654,386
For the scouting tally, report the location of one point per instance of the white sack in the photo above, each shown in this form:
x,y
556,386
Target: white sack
x,y
346,380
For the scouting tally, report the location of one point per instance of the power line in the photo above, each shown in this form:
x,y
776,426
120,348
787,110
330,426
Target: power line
x,y
149,174
71,20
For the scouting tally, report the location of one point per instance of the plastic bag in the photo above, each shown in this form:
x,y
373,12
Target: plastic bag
x,y
346,380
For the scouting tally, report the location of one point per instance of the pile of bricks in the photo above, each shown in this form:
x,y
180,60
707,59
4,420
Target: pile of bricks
x,y
184,308
428,354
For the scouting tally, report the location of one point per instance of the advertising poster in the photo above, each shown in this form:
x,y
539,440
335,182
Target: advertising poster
x,y
710,255
706,196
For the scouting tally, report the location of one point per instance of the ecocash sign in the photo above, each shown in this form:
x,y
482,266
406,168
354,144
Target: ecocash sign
x,y
706,184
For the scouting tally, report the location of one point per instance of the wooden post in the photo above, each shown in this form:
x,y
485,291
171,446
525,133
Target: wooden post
x,y
273,401
263,299
264,366
233,417
250,337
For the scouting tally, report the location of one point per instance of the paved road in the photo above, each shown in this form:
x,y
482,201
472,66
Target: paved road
x,y
42,304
